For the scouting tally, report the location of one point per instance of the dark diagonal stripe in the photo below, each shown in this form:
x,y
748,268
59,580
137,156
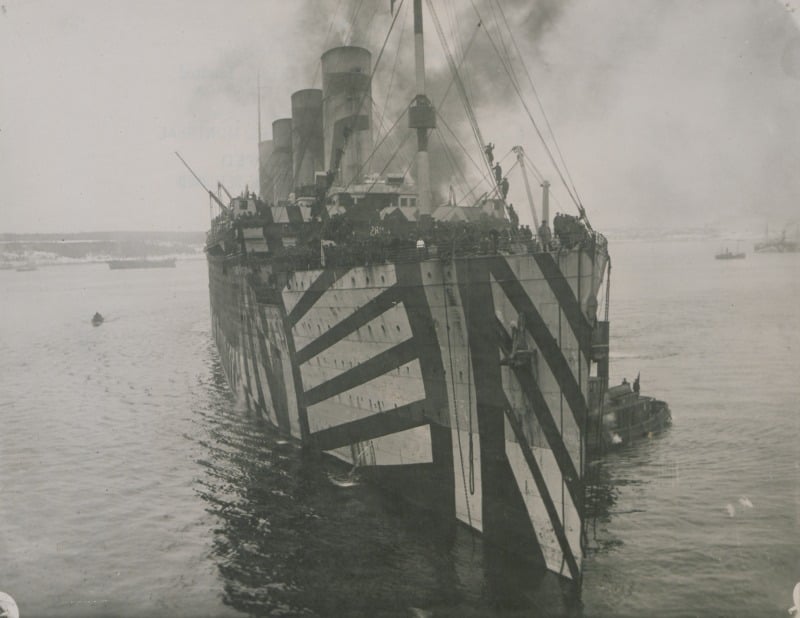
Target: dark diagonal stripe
x,y
277,390
371,427
547,423
423,330
368,370
544,494
295,386
361,316
544,339
506,522
254,334
566,300
311,295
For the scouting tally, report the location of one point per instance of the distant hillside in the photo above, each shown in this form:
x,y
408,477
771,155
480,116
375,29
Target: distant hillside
x,y
96,246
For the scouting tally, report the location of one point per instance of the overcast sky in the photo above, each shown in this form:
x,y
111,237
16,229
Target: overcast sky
x,y
668,113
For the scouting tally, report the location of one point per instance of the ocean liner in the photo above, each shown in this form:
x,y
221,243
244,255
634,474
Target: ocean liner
x,y
446,352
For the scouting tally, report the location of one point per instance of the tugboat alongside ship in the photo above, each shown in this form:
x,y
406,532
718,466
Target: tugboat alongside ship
x,y
620,416
450,354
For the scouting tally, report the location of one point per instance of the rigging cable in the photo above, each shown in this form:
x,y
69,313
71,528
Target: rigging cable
x,y
387,135
450,158
538,100
325,40
458,81
394,70
444,97
493,187
495,190
389,162
353,18
375,150
533,121
483,174
540,179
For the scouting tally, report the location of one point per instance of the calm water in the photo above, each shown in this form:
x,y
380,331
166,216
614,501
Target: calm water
x,y
132,484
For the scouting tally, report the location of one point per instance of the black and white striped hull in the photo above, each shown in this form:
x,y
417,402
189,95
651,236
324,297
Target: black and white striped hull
x,y
401,369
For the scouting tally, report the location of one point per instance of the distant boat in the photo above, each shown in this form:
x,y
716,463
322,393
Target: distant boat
x,y
727,254
121,264
777,245
97,319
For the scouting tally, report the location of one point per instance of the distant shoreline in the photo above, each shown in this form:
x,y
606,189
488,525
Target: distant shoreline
x,y
81,248
97,236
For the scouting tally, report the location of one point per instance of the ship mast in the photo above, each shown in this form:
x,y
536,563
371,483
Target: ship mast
x,y
422,117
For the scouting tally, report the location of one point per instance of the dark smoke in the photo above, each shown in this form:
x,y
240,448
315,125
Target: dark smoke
x,y
666,112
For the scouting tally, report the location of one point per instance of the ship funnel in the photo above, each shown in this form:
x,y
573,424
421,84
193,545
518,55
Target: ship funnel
x,y
307,139
265,177
282,159
347,110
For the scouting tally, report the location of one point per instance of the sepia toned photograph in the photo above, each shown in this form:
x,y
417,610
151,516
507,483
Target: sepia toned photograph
x,y
399,308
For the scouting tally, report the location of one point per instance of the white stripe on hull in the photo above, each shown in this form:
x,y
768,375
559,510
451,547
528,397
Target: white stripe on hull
x,y
397,388
378,335
411,446
539,292
548,542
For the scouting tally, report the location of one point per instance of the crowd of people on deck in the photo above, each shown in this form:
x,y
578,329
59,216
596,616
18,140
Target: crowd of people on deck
x,y
340,241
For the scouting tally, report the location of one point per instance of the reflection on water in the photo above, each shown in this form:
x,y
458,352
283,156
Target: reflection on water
x,y
289,541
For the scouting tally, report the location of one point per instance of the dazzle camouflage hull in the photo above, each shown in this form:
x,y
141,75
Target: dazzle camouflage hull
x,y
411,372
